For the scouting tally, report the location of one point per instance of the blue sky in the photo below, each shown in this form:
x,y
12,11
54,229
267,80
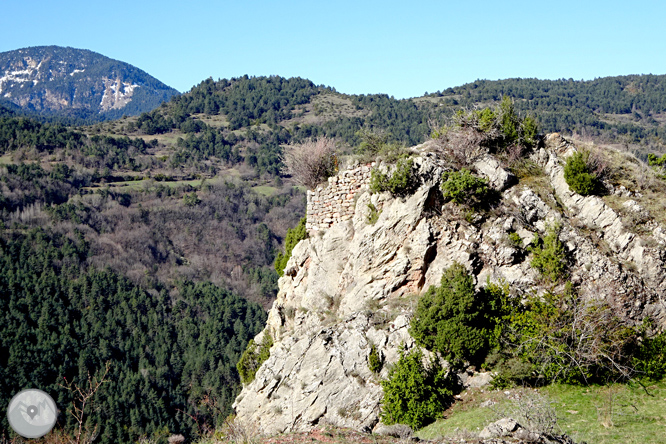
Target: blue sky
x,y
398,48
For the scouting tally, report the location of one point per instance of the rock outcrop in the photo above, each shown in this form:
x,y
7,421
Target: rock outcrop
x,y
355,285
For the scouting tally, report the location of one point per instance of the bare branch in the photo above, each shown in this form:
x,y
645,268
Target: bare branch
x,y
311,162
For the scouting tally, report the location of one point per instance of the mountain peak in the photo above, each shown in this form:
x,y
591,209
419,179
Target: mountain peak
x,y
54,80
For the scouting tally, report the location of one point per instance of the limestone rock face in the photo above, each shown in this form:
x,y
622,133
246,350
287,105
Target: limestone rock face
x,y
355,285
499,178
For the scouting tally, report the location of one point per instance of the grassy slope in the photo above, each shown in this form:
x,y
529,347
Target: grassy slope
x,y
614,414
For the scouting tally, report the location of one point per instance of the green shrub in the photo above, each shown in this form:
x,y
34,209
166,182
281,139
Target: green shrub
x,y
530,131
509,122
294,236
253,357
191,199
373,215
464,188
515,240
548,256
486,118
649,358
415,394
578,176
566,338
375,359
400,182
456,321
658,164
655,161
376,145
497,127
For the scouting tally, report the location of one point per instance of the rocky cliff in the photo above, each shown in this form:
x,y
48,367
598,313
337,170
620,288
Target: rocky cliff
x,y
354,284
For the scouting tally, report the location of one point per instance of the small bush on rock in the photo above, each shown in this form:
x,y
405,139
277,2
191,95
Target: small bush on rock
x,y
253,357
294,236
373,214
464,188
400,182
578,174
375,359
457,322
416,394
549,258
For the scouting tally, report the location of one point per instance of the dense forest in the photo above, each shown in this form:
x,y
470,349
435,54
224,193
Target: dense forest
x,y
170,355
148,242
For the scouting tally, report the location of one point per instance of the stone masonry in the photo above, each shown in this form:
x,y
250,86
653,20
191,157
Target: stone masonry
x,y
336,202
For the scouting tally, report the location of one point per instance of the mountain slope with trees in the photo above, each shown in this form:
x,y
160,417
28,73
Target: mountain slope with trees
x,y
629,109
167,355
78,84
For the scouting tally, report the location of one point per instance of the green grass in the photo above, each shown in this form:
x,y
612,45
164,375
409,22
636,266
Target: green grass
x,y
6,159
615,414
141,184
265,190
619,413
465,414
216,121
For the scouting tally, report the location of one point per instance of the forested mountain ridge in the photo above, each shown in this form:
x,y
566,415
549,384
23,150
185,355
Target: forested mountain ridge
x,y
77,83
626,110
629,109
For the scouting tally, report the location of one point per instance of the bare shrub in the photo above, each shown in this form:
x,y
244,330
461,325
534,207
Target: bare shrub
x,y
598,164
237,432
515,153
83,397
462,145
533,411
176,439
311,162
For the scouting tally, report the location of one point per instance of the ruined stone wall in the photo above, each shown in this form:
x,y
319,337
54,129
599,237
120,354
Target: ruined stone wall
x,y
336,202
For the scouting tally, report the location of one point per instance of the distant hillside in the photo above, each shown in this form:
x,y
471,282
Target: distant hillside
x,y
629,109
69,82
225,117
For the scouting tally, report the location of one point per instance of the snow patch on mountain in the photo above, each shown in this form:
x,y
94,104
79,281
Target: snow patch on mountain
x,y
117,94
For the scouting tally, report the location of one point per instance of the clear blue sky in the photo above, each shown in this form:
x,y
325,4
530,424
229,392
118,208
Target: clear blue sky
x,y
399,48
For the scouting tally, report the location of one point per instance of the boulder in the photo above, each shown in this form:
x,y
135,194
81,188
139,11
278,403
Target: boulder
x,y
499,178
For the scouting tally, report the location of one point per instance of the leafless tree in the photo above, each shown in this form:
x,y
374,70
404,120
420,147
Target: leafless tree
x,y
582,337
311,162
83,397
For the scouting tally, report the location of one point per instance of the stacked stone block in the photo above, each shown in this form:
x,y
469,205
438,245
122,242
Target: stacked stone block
x,y
336,202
